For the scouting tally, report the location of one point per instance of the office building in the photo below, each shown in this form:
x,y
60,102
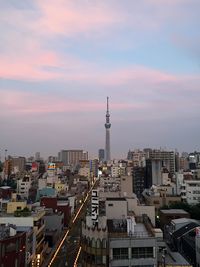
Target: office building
x,y
72,157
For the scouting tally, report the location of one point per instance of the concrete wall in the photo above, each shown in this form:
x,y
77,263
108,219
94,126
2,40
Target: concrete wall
x,y
12,206
130,243
127,186
54,221
140,209
18,221
116,209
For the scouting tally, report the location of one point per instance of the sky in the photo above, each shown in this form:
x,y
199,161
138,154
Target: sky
x,y
59,60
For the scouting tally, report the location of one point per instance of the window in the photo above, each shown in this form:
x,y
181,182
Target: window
x,y
93,243
120,253
110,205
142,252
98,259
104,243
98,243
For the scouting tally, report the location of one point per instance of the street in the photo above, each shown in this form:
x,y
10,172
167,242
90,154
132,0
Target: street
x,y
69,247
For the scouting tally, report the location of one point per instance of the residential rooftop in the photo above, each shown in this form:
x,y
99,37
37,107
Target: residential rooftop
x,y
116,199
174,211
118,228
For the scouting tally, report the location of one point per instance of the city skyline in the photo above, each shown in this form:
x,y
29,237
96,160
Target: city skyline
x,y
60,59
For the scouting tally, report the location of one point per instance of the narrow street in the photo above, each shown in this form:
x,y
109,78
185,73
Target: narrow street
x,y
65,254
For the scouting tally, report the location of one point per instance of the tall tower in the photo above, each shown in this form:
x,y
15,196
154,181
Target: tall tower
x,y
107,126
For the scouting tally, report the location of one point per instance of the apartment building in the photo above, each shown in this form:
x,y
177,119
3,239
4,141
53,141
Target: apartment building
x,y
72,157
190,191
35,220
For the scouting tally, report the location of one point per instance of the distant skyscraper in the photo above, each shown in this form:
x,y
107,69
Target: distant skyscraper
x,y
72,157
101,154
37,156
107,126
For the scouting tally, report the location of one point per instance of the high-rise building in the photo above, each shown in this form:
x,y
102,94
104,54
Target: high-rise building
x,y
18,164
107,126
138,180
167,158
37,156
101,154
72,157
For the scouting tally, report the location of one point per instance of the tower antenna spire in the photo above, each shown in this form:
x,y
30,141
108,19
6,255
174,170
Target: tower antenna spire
x,y
107,126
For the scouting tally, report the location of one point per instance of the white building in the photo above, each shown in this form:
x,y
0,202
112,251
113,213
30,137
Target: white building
x,y
190,191
23,187
115,171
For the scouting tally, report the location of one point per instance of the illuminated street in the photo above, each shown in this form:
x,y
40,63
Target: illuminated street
x,y
69,249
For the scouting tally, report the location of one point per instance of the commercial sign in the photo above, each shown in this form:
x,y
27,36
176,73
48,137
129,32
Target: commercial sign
x,y
34,166
95,206
51,166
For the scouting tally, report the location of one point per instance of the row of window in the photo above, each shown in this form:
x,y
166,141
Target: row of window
x,y
96,243
136,253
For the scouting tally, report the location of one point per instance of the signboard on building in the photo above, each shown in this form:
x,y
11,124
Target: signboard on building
x,y
95,207
51,166
34,167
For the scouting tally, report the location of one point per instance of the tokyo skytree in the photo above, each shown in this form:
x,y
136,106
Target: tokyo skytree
x,y
107,126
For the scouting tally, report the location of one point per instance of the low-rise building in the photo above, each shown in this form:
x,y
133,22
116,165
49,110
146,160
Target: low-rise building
x,y
166,216
36,221
159,197
23,187
13,247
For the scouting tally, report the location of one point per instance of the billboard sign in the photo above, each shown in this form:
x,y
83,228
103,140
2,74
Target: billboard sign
x,y
34,166
51,166
95,206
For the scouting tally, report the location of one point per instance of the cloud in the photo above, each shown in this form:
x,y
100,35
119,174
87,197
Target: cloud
x,y
30,103
26,34
137,89
69,17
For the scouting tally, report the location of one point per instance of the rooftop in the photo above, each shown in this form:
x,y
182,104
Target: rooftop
x,y
184,220
116,199
174,211
118,228
174,259
185,229
5,187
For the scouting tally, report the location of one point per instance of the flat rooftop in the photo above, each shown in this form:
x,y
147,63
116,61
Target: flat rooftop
x,y
174,259
119,227
184,220
115,199
174,211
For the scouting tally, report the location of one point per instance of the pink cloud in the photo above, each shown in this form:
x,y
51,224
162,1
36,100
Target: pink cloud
x,y
70,17
28,67
25,55
19,102
138,74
